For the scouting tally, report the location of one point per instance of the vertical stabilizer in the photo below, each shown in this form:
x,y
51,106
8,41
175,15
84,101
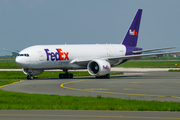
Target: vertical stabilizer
x,y
133,31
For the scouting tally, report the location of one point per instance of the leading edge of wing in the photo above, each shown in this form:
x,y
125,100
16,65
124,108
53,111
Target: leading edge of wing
x,y
141,55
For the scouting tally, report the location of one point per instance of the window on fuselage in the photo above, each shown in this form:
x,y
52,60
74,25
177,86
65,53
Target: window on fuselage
x,y
26,55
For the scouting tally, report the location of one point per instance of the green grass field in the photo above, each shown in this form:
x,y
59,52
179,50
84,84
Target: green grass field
x,y
24,101
5,82
8,64
174,70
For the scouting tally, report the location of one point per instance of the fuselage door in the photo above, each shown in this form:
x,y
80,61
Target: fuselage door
x,y
41,56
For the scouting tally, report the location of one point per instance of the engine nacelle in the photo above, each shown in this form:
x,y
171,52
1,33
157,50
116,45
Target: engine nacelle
x,y
98,67
33,72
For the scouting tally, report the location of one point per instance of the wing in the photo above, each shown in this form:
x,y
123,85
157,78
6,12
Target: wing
x,y
141,51
85,61
141,55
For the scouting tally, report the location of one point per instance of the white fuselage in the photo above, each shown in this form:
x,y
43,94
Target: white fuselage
x,y
61,56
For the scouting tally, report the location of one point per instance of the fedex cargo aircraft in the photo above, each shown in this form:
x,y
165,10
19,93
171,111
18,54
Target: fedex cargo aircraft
x,y
96,58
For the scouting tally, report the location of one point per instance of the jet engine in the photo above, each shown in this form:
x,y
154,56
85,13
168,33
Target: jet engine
x,y
98,67
32,72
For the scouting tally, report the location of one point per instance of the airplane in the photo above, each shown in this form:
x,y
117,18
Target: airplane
x,y
96,58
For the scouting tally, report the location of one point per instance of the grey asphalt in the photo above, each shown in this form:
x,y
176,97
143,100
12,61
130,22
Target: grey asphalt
x,y
161,86
85,115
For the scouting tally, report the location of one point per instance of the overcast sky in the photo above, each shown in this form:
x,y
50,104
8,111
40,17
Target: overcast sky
x,y
24,23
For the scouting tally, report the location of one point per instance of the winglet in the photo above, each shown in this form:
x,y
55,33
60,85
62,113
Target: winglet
x,y
133,31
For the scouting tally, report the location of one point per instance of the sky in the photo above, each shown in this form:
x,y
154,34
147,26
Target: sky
x,y
25,23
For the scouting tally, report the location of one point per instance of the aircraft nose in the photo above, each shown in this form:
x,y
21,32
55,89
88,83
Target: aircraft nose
x,y
20,62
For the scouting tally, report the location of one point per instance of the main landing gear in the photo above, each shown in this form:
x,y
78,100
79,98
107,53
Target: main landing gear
x,y
104,76
66,75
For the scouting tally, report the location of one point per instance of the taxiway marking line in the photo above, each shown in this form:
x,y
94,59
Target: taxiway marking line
x,y
38,115
11,83
89,90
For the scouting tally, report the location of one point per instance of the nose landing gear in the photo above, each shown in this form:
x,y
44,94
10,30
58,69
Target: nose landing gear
x,y
30,76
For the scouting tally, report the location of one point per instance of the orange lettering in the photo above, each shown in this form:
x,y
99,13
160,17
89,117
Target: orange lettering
x,y
66,55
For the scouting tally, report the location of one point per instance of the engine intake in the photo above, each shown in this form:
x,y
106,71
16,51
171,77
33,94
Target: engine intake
x,y
98,67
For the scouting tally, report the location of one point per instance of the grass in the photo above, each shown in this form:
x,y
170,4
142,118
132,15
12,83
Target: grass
x,y
5,82
24,101
54,74
8,64
174,70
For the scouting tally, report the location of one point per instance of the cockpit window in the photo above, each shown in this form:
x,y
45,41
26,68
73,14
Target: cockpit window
x,y
26,55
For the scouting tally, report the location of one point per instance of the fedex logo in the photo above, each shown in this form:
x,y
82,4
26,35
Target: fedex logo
x,y
105,67
59,55
133,32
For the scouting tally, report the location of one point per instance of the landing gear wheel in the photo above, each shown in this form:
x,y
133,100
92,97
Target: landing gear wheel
x,y
97,77
71,75
107,76
104,76
29,77
65,75
60,75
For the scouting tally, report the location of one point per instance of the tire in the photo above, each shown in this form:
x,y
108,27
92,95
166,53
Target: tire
x,y
66,75
71,75
29,77
97,77
108,76
60,76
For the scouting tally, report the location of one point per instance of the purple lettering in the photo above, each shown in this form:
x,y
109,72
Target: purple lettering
x,y
52,56
56,55
47,54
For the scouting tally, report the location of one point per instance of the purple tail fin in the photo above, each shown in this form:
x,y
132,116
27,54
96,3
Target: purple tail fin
x,y
133,31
